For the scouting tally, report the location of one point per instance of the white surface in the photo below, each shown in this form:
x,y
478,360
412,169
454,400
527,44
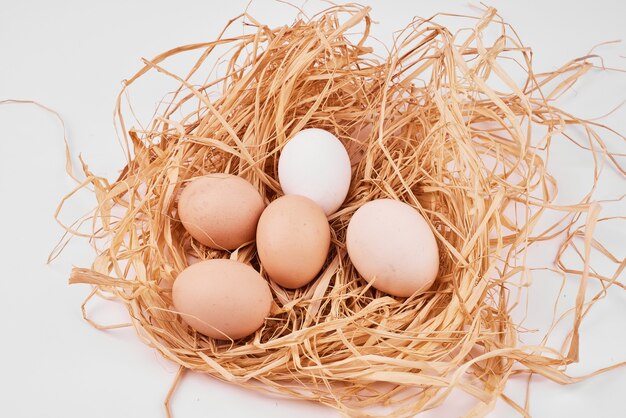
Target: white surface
x,y
71,56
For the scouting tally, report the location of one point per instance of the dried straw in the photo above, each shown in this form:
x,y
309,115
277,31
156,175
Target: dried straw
x,y
422,125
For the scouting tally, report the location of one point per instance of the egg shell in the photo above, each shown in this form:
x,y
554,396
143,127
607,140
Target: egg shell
x,y
315,164
391,244
220,210
293,239
222,299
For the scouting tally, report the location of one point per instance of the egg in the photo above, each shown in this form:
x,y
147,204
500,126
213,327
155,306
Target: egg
x,y
392,246
293,238
220,210
222,299
315,164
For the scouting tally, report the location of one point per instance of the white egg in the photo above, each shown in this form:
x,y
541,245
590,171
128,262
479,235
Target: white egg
x,y
315,164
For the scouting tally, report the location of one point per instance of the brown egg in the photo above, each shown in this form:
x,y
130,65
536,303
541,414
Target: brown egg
x,y
220,210
293,238
392,246
222,299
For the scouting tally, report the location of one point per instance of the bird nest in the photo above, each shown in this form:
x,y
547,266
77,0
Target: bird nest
x,y
439,123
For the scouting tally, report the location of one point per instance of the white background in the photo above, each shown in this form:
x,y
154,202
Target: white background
x,y
72,56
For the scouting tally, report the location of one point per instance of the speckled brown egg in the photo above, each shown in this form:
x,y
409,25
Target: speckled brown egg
x,y
220,210
293,239
222,299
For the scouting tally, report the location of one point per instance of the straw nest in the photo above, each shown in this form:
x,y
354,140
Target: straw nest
x,y
424,125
